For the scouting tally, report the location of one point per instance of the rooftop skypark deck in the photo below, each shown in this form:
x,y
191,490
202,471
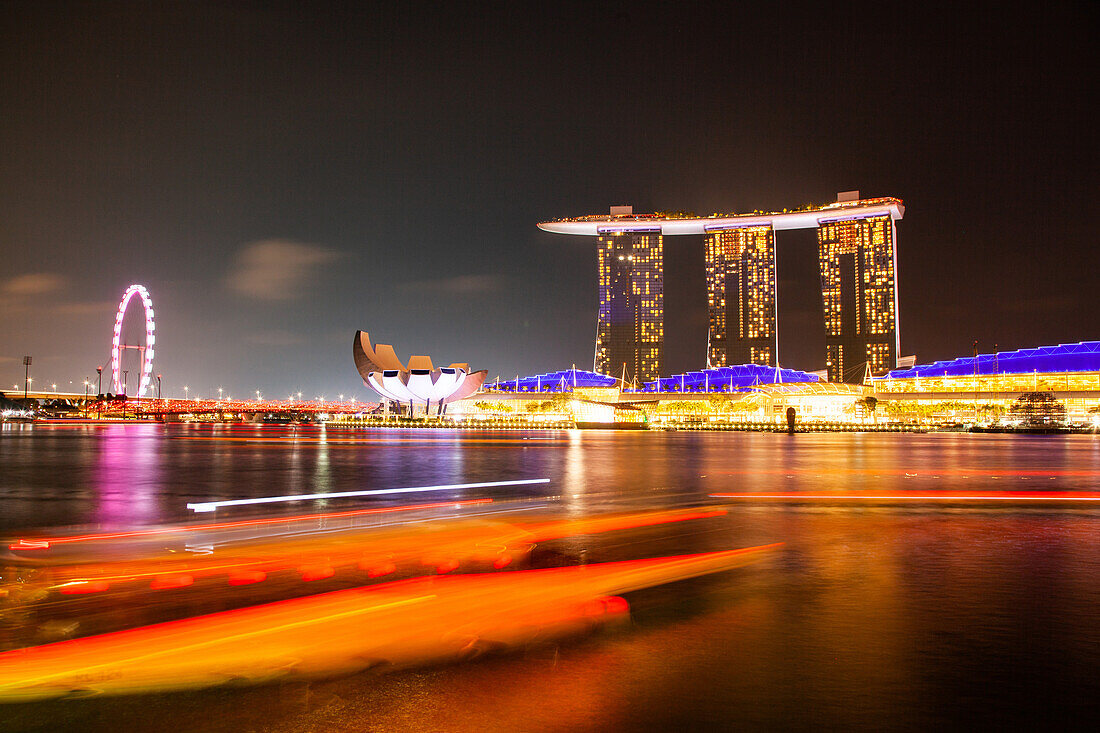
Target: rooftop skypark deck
x,y
682,224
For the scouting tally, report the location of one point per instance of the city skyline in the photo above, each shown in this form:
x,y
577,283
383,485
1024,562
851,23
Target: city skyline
x,y
279,177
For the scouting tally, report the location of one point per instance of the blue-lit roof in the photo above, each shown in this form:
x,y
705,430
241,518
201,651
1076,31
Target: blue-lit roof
x,y
563,381
740,378
1080,357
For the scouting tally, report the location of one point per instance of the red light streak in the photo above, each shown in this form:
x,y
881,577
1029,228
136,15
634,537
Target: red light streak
x,y
357,441
181,580
410,622
502,562
29,545
606,605
317,572
247,577
912,473
446,566
926,496
24,544
377,571
552,530
91,586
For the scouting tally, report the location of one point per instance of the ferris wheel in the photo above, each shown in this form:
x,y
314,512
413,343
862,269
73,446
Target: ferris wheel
x,y
145,350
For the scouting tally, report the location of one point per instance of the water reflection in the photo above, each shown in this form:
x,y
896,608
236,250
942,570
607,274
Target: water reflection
x,y
148,473
916,617
127,476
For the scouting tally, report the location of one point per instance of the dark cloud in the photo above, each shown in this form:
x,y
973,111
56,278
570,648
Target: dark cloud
x,y
36,283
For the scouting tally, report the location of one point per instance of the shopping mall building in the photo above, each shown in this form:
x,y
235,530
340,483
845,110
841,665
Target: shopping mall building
x,y
979,389
1069,373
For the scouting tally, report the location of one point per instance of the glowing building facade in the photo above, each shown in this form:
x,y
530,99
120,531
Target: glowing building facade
x,y
859,295
1068,373
418,383
740,266
630,330
856,254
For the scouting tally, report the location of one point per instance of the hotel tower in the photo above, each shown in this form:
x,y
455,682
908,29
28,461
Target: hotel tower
x,y
630,331
857,260
740,266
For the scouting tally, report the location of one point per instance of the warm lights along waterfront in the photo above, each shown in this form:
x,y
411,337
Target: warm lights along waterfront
x,y
528,368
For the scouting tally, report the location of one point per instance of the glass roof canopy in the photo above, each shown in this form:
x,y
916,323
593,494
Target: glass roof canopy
x,y
1080,357
561,381
740,378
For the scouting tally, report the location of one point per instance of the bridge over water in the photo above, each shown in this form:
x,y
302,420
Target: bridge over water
x,y
168,408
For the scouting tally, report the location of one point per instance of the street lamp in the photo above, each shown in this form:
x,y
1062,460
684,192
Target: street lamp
x,y
186,392
26,378
158,385
219,394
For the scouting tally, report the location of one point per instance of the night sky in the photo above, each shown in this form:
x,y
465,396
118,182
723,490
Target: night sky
x,y
279,176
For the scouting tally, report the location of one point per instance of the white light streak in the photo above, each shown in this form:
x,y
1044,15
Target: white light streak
x,y
209,506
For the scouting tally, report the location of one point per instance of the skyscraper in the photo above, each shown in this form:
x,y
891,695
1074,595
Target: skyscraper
x,y
630,331
740,266
857,260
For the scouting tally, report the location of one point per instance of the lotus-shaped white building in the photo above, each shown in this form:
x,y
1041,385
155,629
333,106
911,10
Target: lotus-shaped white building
x,y
419,383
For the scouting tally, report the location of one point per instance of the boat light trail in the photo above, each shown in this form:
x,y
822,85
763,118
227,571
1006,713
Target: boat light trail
x,y
927,496
46,543
412,622
209,506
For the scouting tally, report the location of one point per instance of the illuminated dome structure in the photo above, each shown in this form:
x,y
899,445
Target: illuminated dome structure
x,y
740,378
561,381
1080,357
419,382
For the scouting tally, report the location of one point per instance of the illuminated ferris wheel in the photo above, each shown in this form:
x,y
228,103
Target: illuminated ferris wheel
x,y
145,351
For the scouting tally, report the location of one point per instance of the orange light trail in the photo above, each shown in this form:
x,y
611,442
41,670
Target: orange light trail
x,y
926,496
297,440
592,525
498,544
411,622
43,544
976,472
